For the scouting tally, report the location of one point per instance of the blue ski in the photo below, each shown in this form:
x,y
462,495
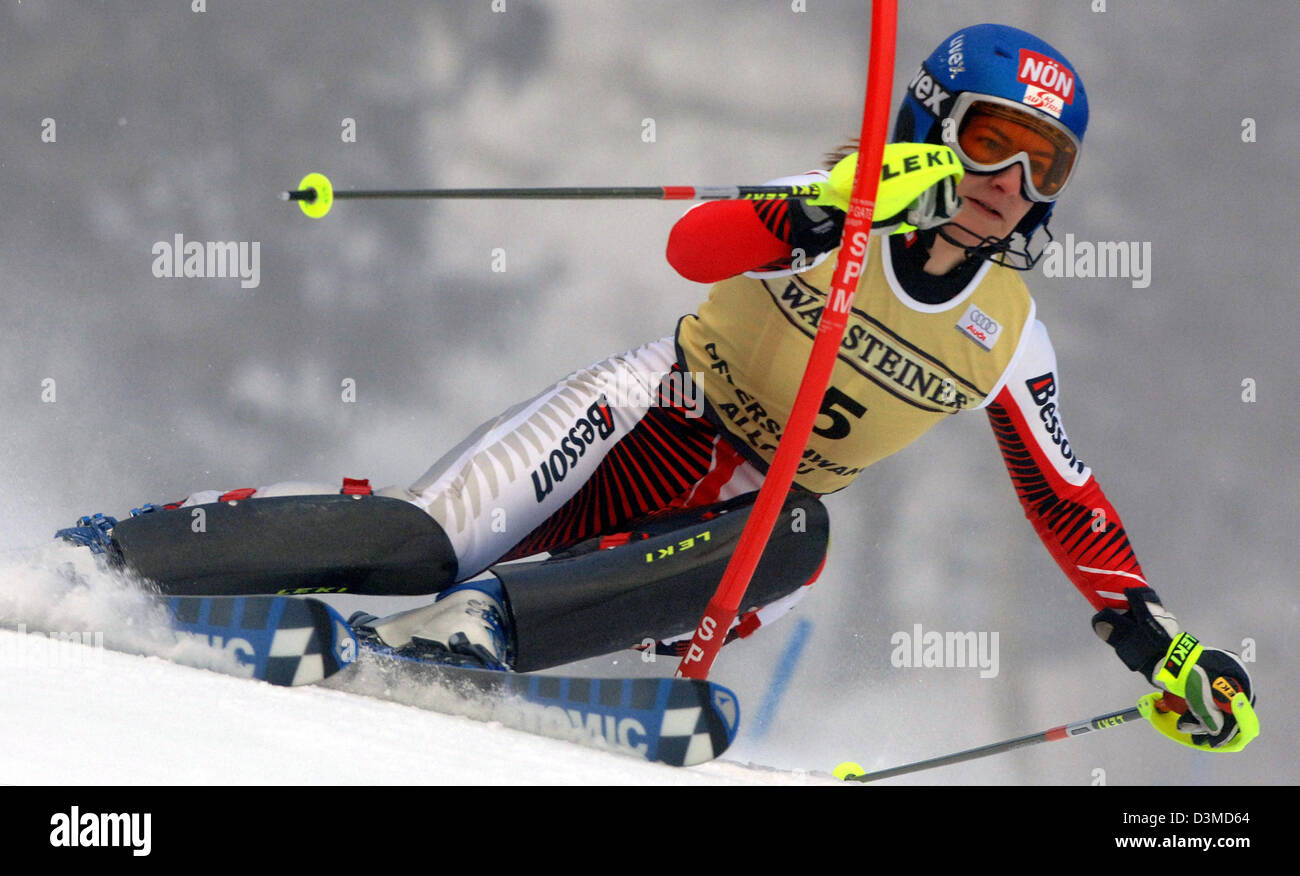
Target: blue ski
x,y
279,639
675,721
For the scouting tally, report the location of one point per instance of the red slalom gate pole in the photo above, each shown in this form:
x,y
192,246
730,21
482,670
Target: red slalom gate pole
x,y
725,604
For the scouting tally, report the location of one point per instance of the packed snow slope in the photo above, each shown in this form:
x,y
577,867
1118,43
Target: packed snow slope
x,y
120,719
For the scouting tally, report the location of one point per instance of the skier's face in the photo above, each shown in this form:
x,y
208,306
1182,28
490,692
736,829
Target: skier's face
x,y
992,205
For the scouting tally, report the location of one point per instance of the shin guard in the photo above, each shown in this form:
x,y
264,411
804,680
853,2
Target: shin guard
x,y
288,544
654,582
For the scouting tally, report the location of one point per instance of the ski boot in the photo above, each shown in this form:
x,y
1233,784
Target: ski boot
x,y
95,531
467,625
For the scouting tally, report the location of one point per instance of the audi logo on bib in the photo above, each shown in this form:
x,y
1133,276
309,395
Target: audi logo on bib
x,y
979,327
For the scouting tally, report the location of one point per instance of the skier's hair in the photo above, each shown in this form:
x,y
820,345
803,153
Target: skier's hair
x,y
840,152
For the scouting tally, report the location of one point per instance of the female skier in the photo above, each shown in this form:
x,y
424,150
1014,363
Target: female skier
x,y
942,323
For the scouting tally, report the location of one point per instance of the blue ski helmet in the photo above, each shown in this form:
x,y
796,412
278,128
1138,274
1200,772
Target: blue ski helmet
x,y
1011,67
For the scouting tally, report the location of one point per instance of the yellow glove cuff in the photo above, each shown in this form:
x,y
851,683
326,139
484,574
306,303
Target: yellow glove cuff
x,y
1181,656
908,169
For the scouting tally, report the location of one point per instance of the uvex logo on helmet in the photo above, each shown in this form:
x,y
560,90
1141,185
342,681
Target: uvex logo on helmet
x,y
1048,82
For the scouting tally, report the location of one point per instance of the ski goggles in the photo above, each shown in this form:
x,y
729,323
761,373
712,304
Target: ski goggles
x,y
994,133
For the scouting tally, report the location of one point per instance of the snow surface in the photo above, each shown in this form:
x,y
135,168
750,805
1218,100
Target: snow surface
x,y
80,714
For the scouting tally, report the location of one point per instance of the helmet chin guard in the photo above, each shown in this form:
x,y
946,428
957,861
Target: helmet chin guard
x,y
1004,248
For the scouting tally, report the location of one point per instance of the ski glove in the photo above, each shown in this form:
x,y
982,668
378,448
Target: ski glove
x,y
1219,697
918,187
